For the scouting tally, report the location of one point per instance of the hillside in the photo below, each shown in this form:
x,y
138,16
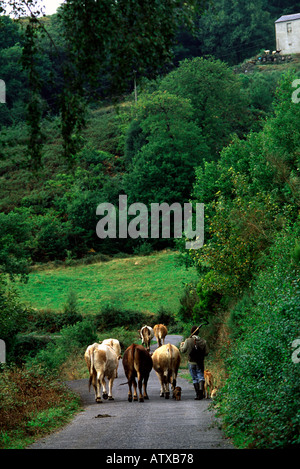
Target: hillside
x,y
142,283
203,132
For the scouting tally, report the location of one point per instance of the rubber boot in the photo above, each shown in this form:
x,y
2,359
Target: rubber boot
x,y
197,389
201,392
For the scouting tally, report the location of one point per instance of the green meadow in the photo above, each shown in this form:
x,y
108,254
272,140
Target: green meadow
x,y
143,283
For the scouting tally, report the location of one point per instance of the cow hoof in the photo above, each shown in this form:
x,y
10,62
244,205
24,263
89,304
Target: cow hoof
x,y
141,399
146,397
99,400
105,395
167,395
110,398
129,398
162,394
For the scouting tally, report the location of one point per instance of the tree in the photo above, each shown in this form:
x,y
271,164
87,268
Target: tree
x,y
15,239
220,109
233,30
127,37
171,146
255,194
130,36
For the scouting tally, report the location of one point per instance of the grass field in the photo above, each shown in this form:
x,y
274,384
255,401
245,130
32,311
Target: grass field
x,y
137,283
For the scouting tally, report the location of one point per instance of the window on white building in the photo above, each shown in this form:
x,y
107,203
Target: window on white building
x,y
289,27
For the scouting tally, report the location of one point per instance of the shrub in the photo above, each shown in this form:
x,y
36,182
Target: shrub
x,y
124,336
164,316
260,400
113,316
31,403
71,339
188,301
70,310
13,317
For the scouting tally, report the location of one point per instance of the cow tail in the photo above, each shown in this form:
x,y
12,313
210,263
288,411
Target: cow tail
x,y
91,370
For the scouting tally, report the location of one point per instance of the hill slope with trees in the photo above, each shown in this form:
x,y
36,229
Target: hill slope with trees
x,y
197,131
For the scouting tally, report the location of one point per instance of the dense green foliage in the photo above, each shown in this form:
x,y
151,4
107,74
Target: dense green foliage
x,y
262,409
251,254
200,131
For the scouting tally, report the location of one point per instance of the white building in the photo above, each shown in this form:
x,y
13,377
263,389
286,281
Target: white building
x,y
287,30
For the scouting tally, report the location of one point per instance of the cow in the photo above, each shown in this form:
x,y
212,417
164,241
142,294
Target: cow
x,y
208,383
166,361
102,361
115,344
146,333
137,363
160,332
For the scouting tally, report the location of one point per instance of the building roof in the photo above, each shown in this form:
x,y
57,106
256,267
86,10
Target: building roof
x,y
296,16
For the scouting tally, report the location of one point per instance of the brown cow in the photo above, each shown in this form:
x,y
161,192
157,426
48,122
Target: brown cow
x,y
160,332
208,383
147,334
102,362
166,361
137,362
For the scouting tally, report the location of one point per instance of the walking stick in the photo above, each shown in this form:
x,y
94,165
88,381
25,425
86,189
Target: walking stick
x,y
205,323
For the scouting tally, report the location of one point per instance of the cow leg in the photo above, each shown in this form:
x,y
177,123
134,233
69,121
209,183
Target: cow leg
x,y
145,388
173,384
98,389
166,386
140,380
162,392
135,398
110,385
93,380
129,390
104,391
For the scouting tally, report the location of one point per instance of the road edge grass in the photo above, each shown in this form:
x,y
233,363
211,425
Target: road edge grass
x,y
34,409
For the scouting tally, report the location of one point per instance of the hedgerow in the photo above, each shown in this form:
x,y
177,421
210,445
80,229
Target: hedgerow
x,y
259,403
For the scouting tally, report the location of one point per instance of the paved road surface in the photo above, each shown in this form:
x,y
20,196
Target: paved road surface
x,y
155,424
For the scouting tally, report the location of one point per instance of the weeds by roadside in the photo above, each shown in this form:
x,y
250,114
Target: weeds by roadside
x,y
32,404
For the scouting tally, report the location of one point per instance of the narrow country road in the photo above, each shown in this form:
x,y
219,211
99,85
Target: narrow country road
x,y
155,424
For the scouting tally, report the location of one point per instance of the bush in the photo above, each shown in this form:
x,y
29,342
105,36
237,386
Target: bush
x,y
13,317
28,398
27,346
124,336
164,316
260,400
113,316
71,339
188,301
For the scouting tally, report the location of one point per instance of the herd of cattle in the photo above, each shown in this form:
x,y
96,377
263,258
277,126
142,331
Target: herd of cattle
x,y
102,360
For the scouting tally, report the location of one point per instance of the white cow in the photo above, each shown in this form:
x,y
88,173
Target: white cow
x,y
147,334
166,361
115,344
102,361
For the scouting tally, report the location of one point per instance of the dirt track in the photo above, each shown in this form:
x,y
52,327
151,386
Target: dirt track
x,y
155,424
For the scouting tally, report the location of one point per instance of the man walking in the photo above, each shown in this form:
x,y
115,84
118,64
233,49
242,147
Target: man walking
x,y
197,349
